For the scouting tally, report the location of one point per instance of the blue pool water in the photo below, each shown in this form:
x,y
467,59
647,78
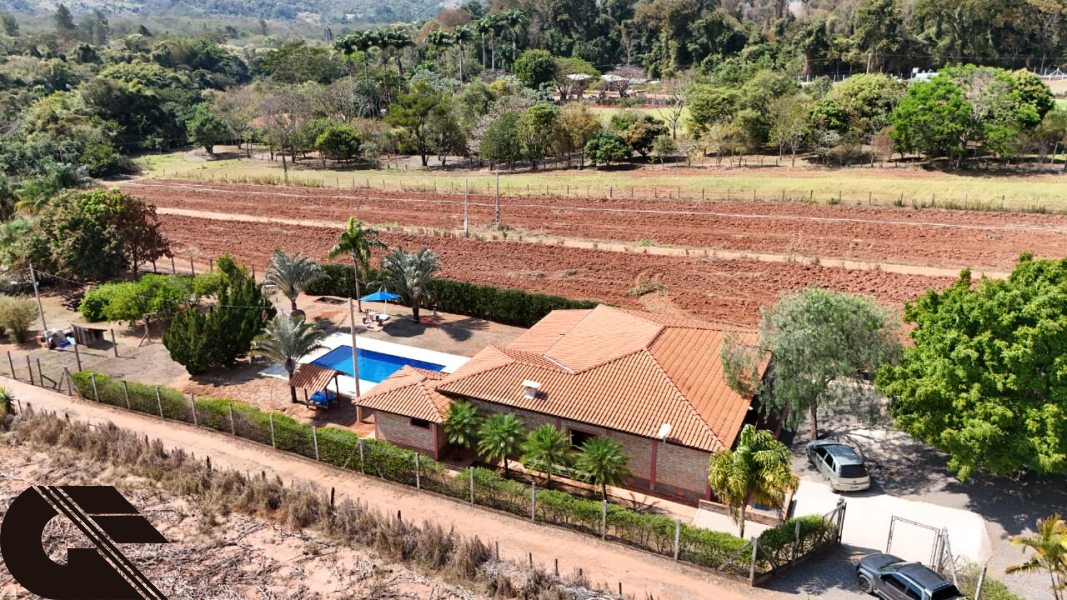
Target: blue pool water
x,y
373,366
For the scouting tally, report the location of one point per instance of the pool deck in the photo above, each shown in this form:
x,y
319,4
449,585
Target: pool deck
x,y
347,383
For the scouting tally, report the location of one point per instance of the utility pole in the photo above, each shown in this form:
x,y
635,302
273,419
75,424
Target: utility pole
x,y
498,198
355,359
466,233
33,278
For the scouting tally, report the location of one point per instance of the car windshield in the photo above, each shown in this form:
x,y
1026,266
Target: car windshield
x,y
946,593
853,471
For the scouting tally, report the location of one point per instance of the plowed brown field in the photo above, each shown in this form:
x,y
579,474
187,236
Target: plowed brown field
x,y
943,238
728,291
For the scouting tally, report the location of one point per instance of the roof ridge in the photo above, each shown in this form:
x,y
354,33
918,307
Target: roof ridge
x,y
452,378
685,399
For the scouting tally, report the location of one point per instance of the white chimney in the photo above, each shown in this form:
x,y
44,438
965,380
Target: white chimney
x,y
664,431
531,389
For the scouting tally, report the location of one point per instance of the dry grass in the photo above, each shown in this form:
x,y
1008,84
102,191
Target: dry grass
x,y
450,556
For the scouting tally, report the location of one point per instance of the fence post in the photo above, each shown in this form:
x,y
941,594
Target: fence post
x,y
77,356
159,403
533,501
126,393
233,430
40,373
978,588
192,404
603,519
796,542
272,444
11,365
418,479
29,369
362,466
96,392
752,567
114,344
70,382
314,440
472,485
677,537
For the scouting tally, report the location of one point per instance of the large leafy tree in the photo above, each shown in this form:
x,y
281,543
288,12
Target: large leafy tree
x,y
206,128
546,449
501,142
535,68
601,462
500,436
1049,548
291,274
758,468
413,111
986,379
286,341
409,274
820,343
607,147
357,241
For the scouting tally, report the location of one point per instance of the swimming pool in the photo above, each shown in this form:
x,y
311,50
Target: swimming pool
x,y
373,366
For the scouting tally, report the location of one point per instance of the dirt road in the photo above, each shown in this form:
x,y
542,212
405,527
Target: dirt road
x,y
927,237
724,290
602,562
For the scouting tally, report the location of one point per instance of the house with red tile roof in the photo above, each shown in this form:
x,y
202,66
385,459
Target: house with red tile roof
x,y
653,383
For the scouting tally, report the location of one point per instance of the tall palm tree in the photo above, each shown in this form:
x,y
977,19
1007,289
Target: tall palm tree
x,y
375,38
462,424
439,39
292,274
397,40
601,462
357,41
500,437
1050,553
286,341
484,27
461,35
758,467
547,448
513,19
357,242
410,274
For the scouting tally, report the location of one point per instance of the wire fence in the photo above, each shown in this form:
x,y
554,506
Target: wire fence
x,y
752,561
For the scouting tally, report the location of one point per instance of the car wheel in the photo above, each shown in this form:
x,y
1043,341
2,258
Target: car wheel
x,y
865,584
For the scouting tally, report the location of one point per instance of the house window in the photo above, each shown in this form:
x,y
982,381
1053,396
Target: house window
x,y
420,423
578,437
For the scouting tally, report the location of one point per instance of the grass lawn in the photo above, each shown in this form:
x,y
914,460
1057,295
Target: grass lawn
x,y
856,185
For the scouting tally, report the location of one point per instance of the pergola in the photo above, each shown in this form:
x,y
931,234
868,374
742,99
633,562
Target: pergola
x,y
315,378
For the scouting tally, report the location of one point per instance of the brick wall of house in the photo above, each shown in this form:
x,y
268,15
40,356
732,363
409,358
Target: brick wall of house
x,y
639,450
530,420
681,471
397,430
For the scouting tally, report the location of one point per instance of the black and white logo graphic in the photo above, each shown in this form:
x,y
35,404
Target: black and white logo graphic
x,y
100,573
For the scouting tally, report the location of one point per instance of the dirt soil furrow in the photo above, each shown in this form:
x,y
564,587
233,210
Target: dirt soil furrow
x,y
929,237
728,291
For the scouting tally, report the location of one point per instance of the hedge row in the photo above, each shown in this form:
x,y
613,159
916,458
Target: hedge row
x,y
344,449
510,307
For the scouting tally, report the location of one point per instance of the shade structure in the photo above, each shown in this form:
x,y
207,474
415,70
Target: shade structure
x,y
379,296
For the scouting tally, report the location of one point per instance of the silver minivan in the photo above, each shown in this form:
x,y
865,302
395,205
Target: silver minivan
x,y
840,464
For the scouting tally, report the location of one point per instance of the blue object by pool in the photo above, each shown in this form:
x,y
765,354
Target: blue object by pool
x,y
373,366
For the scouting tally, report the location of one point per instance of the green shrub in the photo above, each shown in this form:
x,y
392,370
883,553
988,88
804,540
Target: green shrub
x,y
16,316
339,447
129,301
95,303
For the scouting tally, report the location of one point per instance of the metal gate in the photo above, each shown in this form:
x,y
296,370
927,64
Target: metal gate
x,y
941,557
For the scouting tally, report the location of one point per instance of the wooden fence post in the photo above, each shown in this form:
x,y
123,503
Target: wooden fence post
x,y
472,485
96,392
29,370
362,465
11,365
272,444
315,441
70,382
159,403
114,344
192,403
796,542
126,393
533,501
604,519
752,567
77,356
233,429
978,588
418,480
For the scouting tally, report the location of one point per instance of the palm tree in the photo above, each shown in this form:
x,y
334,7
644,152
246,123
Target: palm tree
x,y
461,35
410,274
357,41
397,39
758,467
1050,552
286,341
547,448
485,26
358,243
602,463
292,274
513,19
500,437
461,425
438,39
7,401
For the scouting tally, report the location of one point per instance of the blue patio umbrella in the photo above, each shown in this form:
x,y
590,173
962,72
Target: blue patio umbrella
x,y
380,296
